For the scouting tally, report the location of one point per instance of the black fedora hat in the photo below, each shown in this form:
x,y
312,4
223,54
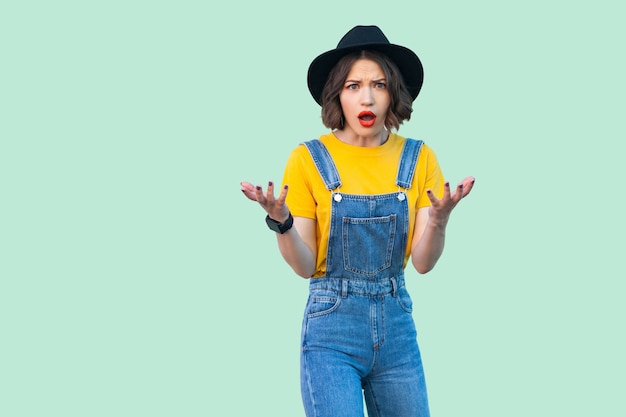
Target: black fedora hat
x,y
370,38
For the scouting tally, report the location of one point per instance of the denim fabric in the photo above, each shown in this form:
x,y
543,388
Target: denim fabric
x,y
358,334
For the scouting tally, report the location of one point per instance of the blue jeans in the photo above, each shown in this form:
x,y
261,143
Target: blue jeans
x,y
359,338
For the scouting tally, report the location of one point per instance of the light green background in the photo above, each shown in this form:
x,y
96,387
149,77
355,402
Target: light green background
x,y
137,281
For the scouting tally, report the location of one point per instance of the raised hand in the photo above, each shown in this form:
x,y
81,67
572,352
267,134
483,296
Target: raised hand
x,y
275,207
440,209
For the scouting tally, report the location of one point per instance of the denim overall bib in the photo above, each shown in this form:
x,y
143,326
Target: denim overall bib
x,y
358,334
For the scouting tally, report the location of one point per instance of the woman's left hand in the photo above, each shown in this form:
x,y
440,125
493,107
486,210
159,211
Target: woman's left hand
x,y
274,206
440,209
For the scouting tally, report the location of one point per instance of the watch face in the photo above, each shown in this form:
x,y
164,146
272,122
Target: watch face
x,y
274,226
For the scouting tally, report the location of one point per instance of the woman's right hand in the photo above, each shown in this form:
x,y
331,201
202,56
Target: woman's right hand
x,y
275,207
297,246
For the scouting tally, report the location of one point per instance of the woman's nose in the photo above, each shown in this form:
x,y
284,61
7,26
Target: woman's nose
x,y
367,96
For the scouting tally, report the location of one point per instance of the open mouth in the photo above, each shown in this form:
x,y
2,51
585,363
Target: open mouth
x,y
367,118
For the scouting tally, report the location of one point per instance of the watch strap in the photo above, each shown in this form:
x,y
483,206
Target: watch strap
x,y
277,226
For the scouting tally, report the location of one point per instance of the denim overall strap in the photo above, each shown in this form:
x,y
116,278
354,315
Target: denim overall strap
x,y
408,161
324,163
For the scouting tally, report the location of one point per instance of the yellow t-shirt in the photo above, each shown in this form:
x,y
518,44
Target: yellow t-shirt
x,y
362,171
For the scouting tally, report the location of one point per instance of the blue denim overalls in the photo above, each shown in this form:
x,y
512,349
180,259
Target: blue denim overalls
x,y
358,334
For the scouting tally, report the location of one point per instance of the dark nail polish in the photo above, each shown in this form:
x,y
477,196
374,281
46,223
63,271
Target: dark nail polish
x,y
258,187
269,184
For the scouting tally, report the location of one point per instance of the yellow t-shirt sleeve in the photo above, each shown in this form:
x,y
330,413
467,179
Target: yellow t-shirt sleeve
x,y
297,176
429,176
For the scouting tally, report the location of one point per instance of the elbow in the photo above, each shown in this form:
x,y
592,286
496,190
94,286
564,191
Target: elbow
x,y
305,273
423,270
425,264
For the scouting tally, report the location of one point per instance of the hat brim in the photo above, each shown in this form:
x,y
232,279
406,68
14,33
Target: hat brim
x,y
406,60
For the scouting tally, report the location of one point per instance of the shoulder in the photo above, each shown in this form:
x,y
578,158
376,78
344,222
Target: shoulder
x,y
300,156
425,149
302,148
428,152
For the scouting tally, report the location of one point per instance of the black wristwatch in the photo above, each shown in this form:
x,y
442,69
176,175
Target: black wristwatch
x,y
277,226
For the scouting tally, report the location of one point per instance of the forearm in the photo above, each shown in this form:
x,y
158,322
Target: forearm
x,y
427,251
429,235
297,245
300,255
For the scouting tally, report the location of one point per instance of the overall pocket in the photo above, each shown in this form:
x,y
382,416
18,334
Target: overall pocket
x,y
404,299
322,304
368,244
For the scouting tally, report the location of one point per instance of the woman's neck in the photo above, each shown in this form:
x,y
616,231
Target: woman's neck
x,y
351,138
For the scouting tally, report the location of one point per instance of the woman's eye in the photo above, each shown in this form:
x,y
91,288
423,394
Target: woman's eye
x,y
352,86
381,85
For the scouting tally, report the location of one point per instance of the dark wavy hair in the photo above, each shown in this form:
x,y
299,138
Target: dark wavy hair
x,y
401,103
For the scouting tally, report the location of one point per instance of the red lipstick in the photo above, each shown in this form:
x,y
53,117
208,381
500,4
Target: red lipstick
x,y
367,118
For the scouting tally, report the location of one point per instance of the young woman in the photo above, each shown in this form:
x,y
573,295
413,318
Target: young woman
x,y
355,206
